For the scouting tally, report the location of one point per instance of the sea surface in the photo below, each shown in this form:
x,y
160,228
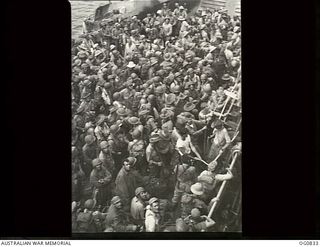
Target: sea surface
x,y
81,10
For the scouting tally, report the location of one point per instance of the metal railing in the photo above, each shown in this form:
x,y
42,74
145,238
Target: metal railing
x,y
236,154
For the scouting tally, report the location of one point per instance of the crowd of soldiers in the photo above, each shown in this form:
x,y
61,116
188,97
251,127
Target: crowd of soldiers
x,y
149,146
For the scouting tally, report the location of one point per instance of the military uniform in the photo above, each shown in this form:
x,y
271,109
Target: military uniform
x,y
185,178
103,194
118,220
107,161
137,150
119,149
188,202
90,152
152,221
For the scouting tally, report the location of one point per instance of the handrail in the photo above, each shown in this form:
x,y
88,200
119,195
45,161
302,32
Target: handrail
x,y
236,153
218,156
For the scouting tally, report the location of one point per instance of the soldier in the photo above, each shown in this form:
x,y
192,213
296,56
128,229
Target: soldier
x,y
198,223
221,140
100,179
190,201
138,205
166,116
88,221
127,94
77,176
136,126
115,35
158,154
127,181
105,156
152,218
209,179
117,218
185,177
191,77
118,146
90,152
136,149
102,130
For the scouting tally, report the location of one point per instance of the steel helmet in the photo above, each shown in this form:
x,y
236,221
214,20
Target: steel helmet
x,y
89,139
107,85
156,78
114,128
176,89
234,63
151,98
116,95
90,132
190,70
84,65
136,134
159,90
207,88
203,77
88,204
161,72
195,213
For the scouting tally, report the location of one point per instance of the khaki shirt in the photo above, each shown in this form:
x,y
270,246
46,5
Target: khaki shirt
x,y
152,221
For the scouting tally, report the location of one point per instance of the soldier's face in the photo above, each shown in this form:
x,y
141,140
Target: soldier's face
x,y
144,195
118,205
155,207
127,166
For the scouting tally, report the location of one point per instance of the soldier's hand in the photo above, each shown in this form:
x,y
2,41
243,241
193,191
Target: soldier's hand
x,y
215,199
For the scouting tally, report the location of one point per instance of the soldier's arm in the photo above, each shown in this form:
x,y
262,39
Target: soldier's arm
x,y
86,158
94,181
227,138
222,177
107,177
148,153
209,222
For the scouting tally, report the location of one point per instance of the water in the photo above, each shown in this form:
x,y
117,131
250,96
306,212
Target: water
x,y
81,10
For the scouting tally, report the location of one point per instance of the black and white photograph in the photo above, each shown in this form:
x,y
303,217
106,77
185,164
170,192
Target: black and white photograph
x,y
156,116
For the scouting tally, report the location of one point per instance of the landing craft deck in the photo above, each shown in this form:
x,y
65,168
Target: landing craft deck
x,y
157,119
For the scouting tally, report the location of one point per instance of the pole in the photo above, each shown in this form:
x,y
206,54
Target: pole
x,y
225,104
223,185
